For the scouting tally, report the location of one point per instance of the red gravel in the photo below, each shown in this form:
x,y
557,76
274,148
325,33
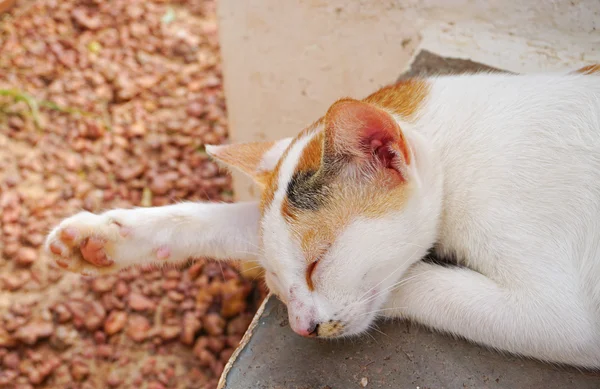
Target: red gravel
x,y
106,104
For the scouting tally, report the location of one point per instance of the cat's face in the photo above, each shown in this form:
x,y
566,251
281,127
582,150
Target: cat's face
x,y
340,217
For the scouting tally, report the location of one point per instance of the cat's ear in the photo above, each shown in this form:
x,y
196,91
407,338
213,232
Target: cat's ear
x,y
256,159
361,133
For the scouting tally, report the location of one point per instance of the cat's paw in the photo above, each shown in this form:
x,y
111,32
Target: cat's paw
x,y
85,243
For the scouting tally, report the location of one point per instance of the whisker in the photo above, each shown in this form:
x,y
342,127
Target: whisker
x,y
245,240
380,310
393,286
255,267
371,336
388,276
376,328
246,252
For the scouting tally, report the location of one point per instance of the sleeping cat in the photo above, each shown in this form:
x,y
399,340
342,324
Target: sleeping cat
x,y
500,172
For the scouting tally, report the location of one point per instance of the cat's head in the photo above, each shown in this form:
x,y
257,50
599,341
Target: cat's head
x,y
345,211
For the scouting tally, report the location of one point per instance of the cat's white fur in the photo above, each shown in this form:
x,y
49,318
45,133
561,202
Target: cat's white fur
x,y
508,172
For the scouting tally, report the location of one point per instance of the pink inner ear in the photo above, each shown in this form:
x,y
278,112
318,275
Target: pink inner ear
x,y
365,131
383,152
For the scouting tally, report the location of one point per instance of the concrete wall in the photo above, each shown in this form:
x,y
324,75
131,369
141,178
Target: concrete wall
x,y
285,61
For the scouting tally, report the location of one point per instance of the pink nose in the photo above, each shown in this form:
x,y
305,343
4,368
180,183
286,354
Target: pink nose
x,y
310,332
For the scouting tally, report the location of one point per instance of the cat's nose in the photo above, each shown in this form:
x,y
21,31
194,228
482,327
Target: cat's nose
x,y
310,331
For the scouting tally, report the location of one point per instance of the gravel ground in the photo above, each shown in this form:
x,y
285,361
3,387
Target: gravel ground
x,y
106,104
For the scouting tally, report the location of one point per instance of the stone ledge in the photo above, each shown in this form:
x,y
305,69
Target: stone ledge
x,y
403,355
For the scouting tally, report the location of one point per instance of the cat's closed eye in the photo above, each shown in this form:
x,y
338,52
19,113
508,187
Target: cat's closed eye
x,y
309,273
313,265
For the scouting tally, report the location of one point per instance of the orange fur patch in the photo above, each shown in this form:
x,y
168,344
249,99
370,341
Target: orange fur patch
x,y
312,155
403,98
309,272
590,69
316,230
270,188
271,180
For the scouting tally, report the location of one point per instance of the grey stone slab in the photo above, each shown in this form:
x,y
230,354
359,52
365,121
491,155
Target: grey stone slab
x,y
427,63
401,355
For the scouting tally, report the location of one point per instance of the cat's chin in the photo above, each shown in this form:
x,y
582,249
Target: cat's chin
x,y
357,327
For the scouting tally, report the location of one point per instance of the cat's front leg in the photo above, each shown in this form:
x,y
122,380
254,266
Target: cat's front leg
x,y
547,322
92,244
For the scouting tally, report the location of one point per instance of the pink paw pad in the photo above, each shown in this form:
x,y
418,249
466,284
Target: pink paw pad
x,y
163,252
68,235
92,250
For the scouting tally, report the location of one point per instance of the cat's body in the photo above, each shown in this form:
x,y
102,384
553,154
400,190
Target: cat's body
x,y
502,172
521,206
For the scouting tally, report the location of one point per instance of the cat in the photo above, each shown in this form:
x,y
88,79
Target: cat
x,y
500,172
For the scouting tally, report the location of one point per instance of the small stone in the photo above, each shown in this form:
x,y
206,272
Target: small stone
x,y
63,314
203,297
79,310
195,270
138,129
30,333
11,249
155,385
364,382
11,360
114,379
234,340
85,19
131,172
139,302
170,332
205,357
195,109
217,368
190,326
160,185
104,351
187,305
138,328
14,281
7,377
121,289
79,370
6,339
26,256
172,274
35,377
49,365
99,337
232,307
103,284
35,239
239,325
63,338
170,284
226,354
213,324
149,367
115,322
215,344
175,296
95,316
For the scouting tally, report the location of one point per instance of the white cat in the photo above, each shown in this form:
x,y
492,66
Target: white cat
x,y
499,172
